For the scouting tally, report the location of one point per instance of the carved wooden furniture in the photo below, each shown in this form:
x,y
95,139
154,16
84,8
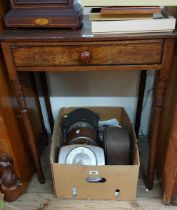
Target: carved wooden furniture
x,y
80,50
15,156
16,166
44,13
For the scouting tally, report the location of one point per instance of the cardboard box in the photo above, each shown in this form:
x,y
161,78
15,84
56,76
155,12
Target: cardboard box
x,y
70,180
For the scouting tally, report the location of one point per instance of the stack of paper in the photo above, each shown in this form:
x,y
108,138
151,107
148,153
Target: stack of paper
x,y
120,16
102,3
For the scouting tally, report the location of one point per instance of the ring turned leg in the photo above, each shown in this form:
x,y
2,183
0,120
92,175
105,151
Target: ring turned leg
x,y
23,108
28,129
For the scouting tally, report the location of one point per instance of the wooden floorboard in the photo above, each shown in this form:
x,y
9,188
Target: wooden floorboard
x,y
41,197
44,201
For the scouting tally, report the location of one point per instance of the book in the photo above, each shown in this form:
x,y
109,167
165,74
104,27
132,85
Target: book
x,y
158,23
95,14
101,3
130,10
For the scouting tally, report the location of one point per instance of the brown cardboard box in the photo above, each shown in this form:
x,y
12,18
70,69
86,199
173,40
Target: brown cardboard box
x,y
70,180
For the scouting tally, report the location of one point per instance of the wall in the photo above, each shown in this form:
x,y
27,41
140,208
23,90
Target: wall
x,y
99,89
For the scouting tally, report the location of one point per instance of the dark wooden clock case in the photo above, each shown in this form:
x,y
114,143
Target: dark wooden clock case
x,y
44,14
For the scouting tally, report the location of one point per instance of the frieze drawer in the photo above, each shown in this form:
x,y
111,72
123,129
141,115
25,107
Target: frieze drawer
x,y
88,53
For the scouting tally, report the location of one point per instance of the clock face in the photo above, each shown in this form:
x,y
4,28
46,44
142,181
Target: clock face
x,y
81,156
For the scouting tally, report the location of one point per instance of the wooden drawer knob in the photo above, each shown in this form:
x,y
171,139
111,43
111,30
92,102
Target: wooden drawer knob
x,y
85,57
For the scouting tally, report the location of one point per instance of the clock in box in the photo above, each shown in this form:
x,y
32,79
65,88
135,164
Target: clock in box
x,y
115,182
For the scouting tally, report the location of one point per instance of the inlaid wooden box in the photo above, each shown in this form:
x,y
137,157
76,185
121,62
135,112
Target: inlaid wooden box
x,y
44,14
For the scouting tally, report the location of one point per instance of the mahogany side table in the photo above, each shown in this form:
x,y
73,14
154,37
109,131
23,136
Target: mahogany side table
x,y
79,50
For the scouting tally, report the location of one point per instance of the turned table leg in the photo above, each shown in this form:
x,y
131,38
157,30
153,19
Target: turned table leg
x,y
30,136
28,129
158,103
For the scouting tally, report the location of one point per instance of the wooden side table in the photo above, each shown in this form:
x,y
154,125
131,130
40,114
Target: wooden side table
x,y
80,50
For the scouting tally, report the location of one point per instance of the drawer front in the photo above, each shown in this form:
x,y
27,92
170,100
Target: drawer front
x,y
113,53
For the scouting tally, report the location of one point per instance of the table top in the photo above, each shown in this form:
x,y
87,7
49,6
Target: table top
x,y
82,34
